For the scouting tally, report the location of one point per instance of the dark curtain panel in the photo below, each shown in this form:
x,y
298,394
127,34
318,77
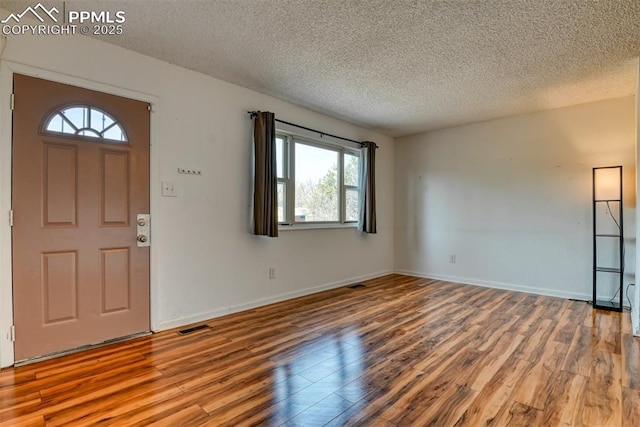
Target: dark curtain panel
x,y
265,197
367,222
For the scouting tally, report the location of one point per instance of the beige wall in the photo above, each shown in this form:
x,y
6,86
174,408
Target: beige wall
x,y
511,198
204,261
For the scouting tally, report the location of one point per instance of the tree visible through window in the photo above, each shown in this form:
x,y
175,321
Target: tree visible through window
x,y
316,178
351,186
317,183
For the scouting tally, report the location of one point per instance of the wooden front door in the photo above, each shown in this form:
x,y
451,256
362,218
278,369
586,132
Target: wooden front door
x,y
80,177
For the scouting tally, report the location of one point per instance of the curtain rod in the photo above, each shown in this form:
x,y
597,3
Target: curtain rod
x,y
254,113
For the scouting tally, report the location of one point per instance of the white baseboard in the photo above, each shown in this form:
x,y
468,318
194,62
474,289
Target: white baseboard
x,y
635,319
499,285
187,320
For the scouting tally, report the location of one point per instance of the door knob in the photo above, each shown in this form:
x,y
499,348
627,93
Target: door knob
x,y
142,238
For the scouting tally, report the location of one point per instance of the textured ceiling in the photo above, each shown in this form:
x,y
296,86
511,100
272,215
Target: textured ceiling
x,y
397,66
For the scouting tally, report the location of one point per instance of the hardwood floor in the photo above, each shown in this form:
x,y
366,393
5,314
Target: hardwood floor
x,y
401,351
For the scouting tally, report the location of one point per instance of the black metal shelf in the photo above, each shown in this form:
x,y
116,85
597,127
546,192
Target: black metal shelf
x,y
617,252
608,270
607,305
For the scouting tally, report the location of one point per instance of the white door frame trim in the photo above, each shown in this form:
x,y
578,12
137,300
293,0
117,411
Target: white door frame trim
x,y
7,70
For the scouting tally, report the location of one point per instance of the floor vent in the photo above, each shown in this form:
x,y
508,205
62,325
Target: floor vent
x,y
356,286
192,330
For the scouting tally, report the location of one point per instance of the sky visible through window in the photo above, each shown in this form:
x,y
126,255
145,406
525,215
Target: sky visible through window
x,y
86,121
313,163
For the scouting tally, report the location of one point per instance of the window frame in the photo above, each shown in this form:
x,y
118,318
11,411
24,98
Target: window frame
x,y
289,147
99,135
286,179
346,187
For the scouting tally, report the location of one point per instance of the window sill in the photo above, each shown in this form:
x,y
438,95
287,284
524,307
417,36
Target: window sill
x,y
320,226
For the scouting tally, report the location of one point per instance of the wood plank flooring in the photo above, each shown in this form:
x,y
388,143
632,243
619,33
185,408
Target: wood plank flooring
x,y
401,351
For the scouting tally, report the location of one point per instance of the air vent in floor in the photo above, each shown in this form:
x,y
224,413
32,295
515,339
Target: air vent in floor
x,y
192,330
356,286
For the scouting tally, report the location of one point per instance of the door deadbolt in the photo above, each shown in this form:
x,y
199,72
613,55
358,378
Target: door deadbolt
x,y
143,232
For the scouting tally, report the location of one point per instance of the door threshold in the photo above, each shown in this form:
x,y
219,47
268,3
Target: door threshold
x,y
79,349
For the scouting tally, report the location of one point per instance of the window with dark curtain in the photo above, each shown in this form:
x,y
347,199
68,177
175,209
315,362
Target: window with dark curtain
x,y
265,197
367,222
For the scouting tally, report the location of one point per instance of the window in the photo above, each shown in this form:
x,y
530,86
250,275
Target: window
x,y
318,182
88,122
351,186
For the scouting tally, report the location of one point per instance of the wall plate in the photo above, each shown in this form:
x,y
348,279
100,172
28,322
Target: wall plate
x,y
190,171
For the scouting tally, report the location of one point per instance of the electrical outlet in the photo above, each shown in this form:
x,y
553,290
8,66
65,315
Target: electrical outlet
x,y
272,273
452,259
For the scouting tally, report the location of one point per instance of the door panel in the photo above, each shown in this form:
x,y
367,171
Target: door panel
x,y
60,286
78,276
60,191
115,188
114,280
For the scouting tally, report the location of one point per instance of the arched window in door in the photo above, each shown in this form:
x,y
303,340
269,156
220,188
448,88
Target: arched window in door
x,y
87,121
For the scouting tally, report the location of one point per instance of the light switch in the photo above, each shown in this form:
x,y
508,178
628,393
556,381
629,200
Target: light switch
x,y
169,189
